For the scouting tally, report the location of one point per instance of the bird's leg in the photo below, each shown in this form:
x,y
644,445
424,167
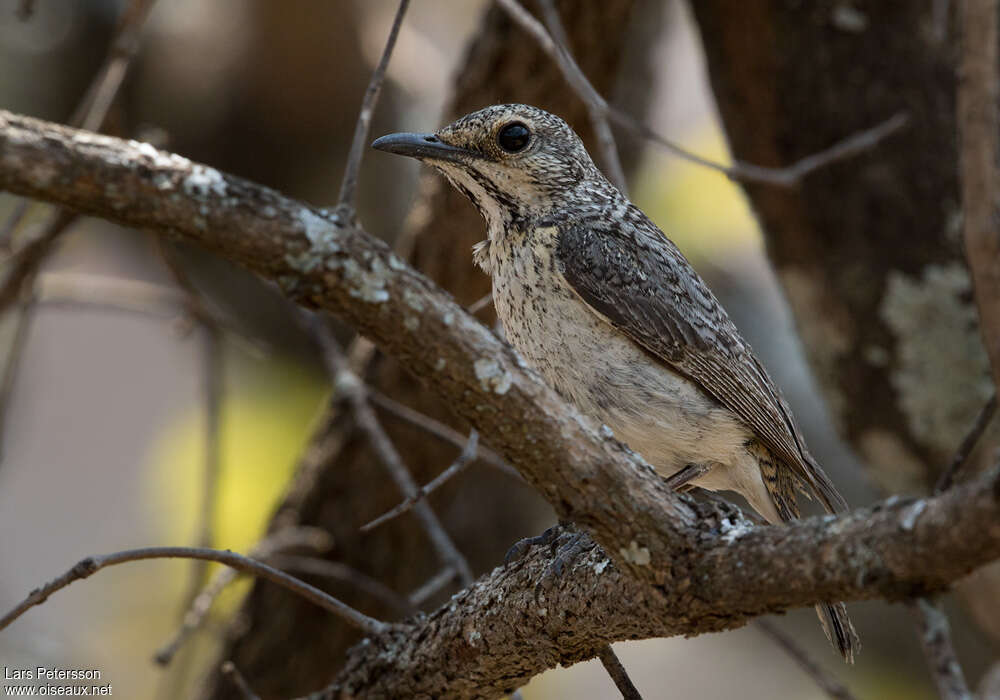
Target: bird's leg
x,y
566,542
574,543
521,547
681,480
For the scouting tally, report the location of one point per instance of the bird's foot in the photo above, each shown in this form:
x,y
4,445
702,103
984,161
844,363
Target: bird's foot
x,y
681,481
521,547
567,543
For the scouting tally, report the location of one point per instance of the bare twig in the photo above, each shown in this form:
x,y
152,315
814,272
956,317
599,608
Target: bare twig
x,y
103,291
977,96
101,93
23,263
480,303
89,566
349,187
351,388
935,637
787,176
342,572
212,380
613,665
464,459
744,172
432,586
311,537
827,682
12,363
23,270
11,223
213,371
954,469
439,430
228,668
93,108
16,285
597,108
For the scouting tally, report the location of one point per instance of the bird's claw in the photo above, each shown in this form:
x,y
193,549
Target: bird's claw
x,y
521,547
567,544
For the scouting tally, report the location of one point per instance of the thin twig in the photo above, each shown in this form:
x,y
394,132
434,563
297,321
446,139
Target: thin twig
x,y
827,682
11,223
16,287
212,386
12,363
118,293
24,263
90,565
23,270
74,290
613,665
312,537
464,459
101,93
430,587
957,465
480,303
350,387
935,637
349,187
787,176
597,107
229,669
438,430
340,571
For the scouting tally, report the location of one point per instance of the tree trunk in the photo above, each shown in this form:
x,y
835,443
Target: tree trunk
x,y
868,250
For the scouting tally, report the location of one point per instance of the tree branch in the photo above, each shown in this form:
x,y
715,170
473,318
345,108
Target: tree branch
x,y
479,640
91,565
680,567
935,638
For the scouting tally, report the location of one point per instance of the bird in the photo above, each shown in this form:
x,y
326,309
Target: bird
x,y
598,300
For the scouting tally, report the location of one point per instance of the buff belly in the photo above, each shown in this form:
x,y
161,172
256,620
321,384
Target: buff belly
x,y
660,414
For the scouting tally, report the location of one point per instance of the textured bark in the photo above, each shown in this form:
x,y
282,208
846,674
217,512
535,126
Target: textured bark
x,y
869,251
703,564
340,484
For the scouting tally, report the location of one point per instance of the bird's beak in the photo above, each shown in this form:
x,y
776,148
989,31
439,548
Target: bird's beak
x,y
422,146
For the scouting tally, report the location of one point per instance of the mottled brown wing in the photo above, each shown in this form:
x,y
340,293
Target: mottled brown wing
x,y
638,280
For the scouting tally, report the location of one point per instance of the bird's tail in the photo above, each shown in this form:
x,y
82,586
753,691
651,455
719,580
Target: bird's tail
x,y
839,630
781,486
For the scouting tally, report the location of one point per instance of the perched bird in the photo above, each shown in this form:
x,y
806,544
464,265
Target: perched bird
x,y
604,305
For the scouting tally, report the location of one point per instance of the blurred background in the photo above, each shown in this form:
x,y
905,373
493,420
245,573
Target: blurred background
x,y
104,428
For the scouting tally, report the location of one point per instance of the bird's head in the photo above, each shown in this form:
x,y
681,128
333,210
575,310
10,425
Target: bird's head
x,y
515,162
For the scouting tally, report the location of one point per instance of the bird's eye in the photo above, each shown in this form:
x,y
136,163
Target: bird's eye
x,y
514,137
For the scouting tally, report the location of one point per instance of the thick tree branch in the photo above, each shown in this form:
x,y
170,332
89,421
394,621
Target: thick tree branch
x,y
688,567
498,633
